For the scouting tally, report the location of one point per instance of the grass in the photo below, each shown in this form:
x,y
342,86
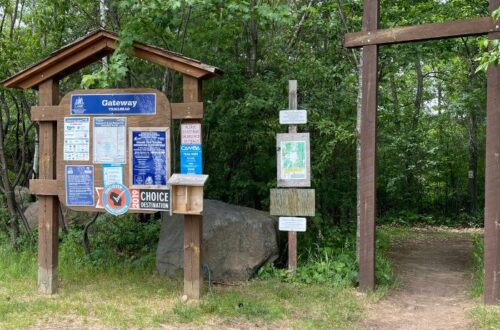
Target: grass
x,y
486,317
119,295
477,266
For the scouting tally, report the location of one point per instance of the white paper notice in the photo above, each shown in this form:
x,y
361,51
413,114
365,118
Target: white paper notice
x,y
76,138
292,224
110,140
191,134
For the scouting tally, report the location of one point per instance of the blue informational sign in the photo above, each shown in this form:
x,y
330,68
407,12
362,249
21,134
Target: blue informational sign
x,y
149,158
113,104
79,185
191,159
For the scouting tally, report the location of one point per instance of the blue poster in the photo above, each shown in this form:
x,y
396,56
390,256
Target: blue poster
x,y
113,104
79,185
191,159
149,158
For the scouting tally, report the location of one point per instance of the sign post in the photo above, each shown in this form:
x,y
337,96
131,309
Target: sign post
x,y
293,170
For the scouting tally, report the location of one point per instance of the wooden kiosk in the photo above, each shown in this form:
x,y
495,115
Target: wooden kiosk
x,y
49,187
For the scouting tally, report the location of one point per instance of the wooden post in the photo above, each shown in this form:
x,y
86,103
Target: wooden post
x,y
492,187
48,216
367,171
193,224
292,235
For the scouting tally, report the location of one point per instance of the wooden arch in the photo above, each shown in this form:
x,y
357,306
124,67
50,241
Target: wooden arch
x,y
370,39
45,76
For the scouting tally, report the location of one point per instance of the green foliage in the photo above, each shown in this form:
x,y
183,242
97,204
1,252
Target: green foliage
x,y
490,49
486,317
332,261
115,242
478,265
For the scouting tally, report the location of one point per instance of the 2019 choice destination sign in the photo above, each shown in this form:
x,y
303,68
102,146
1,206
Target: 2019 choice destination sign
x,y
113,104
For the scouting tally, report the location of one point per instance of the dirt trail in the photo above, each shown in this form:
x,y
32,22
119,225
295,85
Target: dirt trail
x,y
434,275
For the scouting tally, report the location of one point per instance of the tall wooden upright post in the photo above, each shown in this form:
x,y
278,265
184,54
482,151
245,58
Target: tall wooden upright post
x,y
367,171
193,224
48,219
492,203
292,235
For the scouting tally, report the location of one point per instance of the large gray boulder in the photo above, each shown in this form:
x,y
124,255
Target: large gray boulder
x,y
237,241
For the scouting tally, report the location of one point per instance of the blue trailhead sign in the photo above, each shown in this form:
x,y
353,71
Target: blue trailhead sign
x,y
113,104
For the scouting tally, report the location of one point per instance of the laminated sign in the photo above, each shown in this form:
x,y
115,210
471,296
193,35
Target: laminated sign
x,y
293,160
149,156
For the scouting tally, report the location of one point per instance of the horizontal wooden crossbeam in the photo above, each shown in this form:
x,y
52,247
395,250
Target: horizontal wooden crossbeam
x,y
44,187
463,28
189,110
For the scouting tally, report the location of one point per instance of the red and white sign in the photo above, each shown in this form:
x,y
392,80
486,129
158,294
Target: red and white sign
x,y
99,191
191,134
134,196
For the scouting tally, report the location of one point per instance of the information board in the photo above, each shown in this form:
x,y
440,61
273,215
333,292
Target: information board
x,y
113,104
294,164
110,140
76,138
149,156
79,185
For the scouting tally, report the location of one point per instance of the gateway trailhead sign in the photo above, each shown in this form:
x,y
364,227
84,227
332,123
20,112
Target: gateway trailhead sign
x,y
112,155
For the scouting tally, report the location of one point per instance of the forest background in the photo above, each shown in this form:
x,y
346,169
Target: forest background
x,y
431,115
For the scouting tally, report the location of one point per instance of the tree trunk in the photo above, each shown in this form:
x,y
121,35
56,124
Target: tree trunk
x,y
253,34
7,188
473,159
358,152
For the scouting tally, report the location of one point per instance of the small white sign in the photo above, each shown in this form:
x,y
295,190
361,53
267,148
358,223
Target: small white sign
x,y
191,134
292,117
76,138
292,224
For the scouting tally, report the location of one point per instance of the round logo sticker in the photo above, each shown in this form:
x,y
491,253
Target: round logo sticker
x,y
116,199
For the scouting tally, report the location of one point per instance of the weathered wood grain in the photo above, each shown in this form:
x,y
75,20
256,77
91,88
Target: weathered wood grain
x,y
367,171
193,224
48,206
462,28
492,183
92,48
293,202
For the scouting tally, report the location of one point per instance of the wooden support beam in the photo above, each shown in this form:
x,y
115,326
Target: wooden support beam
x,y
492,185
367,170
48,215
191,110
44,187
193,224
470,27
65,64
46,113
